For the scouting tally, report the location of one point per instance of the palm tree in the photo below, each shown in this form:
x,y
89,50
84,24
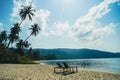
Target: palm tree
x,y
26,44
3,37
22,44
16,29
26,11
34,30
14,34
12,38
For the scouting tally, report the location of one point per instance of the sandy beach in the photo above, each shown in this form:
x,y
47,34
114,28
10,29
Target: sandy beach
x,y
45,72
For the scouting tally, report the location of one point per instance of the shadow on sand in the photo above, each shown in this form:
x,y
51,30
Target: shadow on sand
x,y
65,73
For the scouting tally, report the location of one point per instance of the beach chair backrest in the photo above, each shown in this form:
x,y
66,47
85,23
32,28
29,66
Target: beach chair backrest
x,y
59,65
65,64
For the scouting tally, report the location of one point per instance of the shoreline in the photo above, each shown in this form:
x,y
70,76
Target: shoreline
x,y
99,71
45,72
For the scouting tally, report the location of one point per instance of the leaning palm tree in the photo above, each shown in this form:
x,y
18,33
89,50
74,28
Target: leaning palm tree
x,y
34,30
26,11
14,34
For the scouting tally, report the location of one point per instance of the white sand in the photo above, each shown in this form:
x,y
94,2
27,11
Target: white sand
x,y
45,72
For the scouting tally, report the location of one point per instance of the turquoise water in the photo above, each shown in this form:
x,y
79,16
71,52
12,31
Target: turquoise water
x,y
104,65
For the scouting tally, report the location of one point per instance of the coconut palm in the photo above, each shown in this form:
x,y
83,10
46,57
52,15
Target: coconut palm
x,y
12,38
14,34
16,29
26,44
3,37
21,44
26,11
20,47
34,30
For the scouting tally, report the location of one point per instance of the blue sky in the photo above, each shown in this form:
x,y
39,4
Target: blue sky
x,y
93,24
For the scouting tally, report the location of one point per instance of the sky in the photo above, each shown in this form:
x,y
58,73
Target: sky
x,y
93,24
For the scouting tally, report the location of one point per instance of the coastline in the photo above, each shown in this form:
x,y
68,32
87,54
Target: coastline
x,y
45,72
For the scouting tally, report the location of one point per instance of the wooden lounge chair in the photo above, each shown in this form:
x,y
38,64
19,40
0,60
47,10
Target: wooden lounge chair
x,y
58,66
65,68
71,68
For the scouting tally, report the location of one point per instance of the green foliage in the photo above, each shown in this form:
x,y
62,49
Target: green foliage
x,y
26,11
14,34
24,60
19,52
50,57
34,55
7,56
3,37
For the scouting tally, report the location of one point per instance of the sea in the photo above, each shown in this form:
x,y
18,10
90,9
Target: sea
x,y
111,65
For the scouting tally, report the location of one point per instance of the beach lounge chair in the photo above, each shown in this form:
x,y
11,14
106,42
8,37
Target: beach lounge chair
x,y
65,68
71,68
58,66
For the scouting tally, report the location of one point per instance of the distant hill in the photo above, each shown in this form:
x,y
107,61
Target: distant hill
x,y
79,53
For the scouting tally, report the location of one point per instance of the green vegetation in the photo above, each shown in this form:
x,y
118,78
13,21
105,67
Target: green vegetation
x,y
19,53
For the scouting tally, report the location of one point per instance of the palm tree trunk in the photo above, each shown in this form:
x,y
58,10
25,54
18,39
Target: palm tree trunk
x,y
21,22
28,37
8,44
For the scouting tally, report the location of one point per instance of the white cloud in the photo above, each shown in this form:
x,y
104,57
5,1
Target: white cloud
x,y
1,26
41,17
87,28
60,28
99,33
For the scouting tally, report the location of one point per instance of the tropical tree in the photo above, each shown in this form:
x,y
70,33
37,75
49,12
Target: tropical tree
x,y
22,44
16,29
14,34
3,38
12,38
34,30
29,53
26,11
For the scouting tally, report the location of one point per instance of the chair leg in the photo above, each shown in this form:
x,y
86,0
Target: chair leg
x,y
76,69
70,69
63,70
54,70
